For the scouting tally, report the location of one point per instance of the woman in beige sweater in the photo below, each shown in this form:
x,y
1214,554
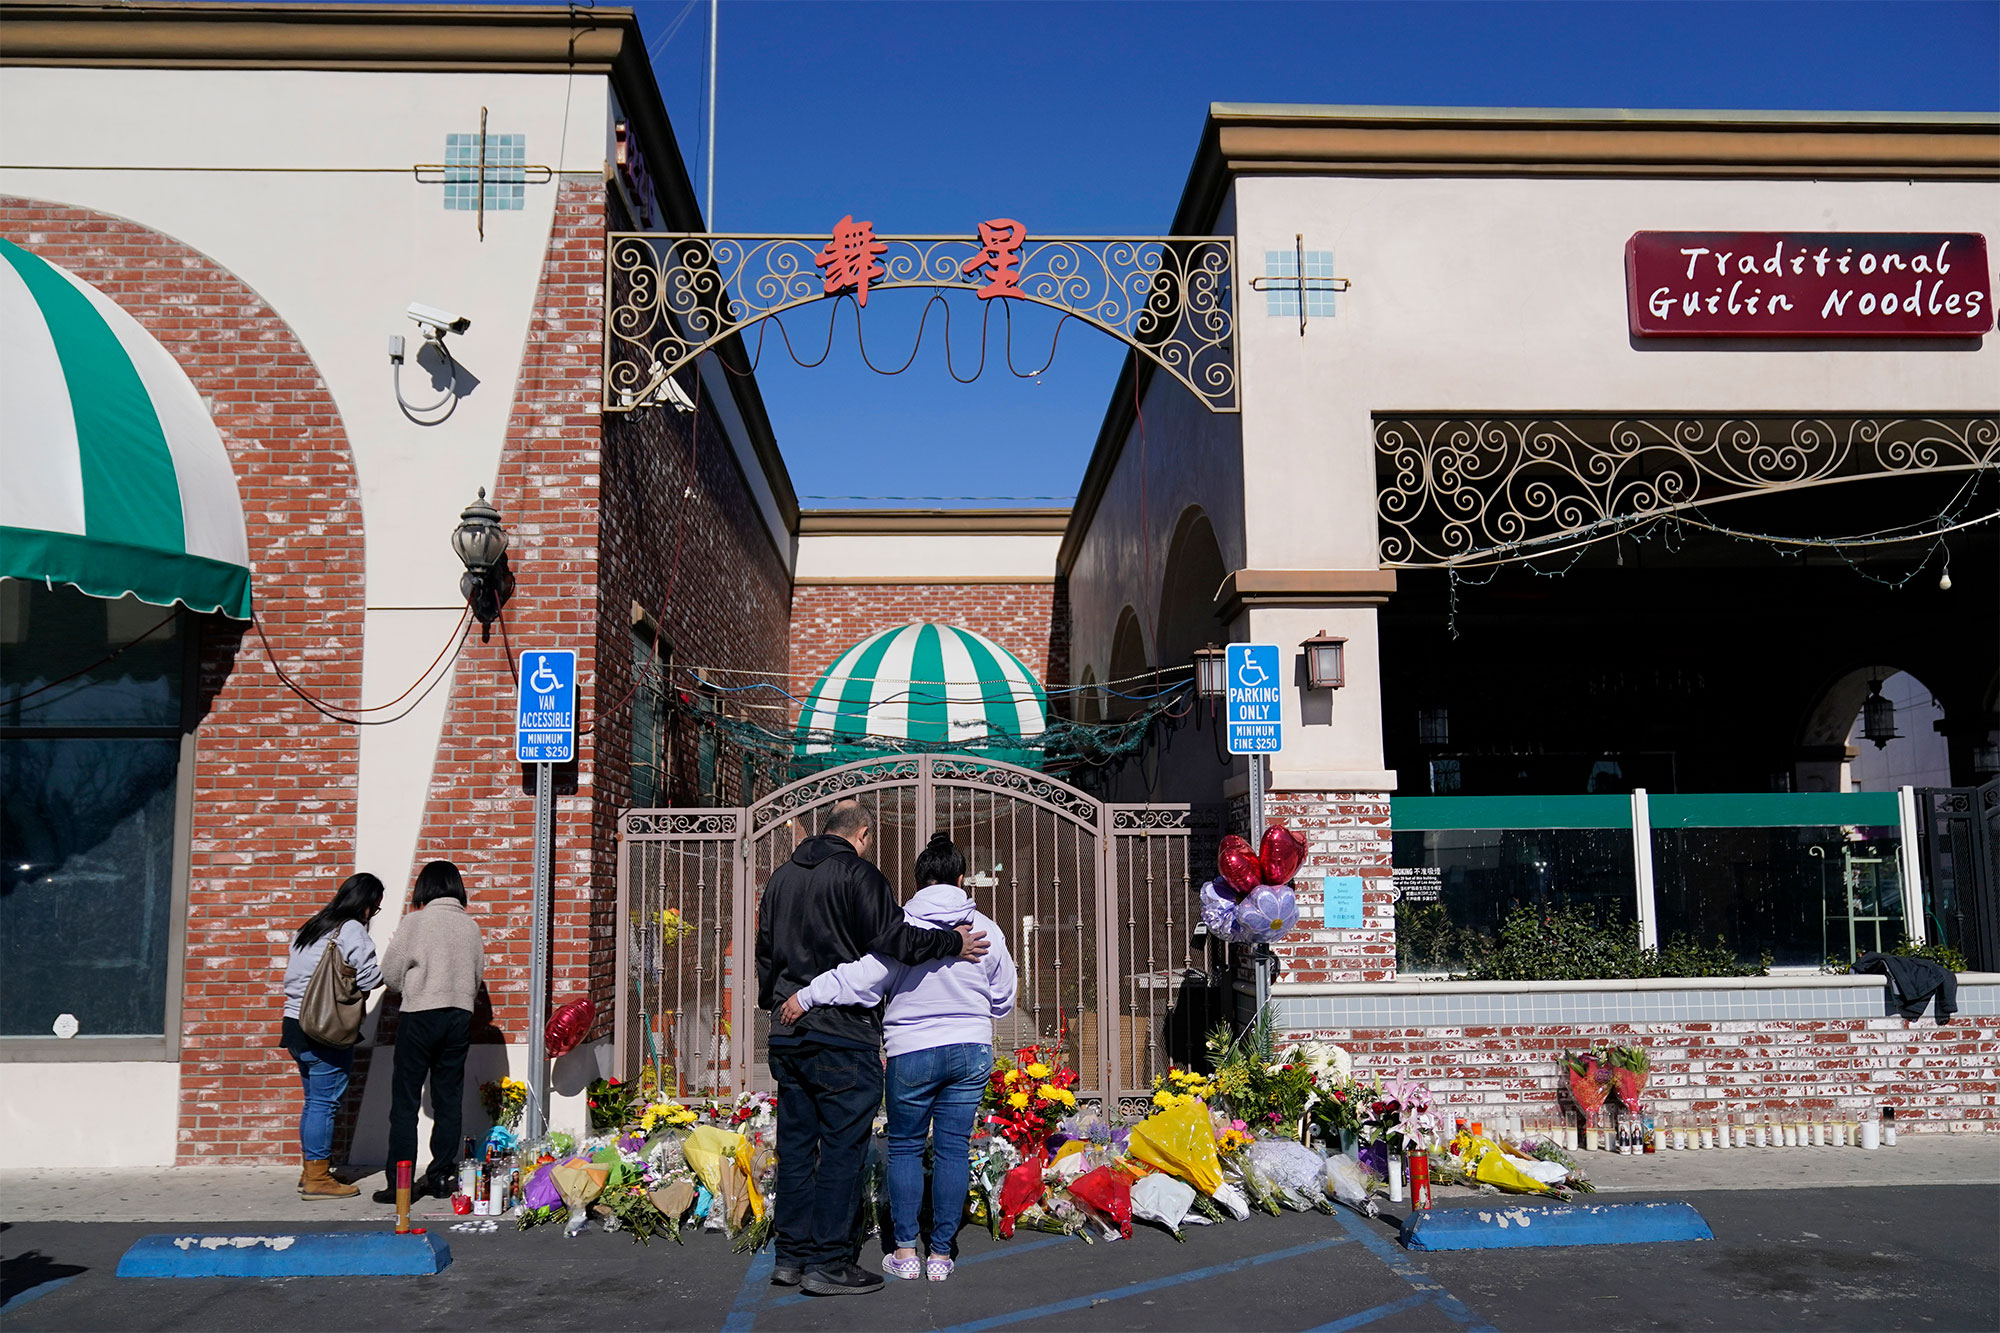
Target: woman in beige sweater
x,y
436,962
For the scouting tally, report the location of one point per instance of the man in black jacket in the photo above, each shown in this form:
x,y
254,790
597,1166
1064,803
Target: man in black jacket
x,y
829,905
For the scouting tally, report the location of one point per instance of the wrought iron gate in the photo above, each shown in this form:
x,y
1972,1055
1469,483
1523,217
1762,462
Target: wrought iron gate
x,y
1097,901
1959,835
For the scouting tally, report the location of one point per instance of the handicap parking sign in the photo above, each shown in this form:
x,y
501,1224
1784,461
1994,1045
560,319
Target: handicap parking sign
x,y
545,722
1253,704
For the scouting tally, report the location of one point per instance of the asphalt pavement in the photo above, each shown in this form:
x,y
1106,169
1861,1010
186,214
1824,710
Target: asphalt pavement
x,y
1918,1256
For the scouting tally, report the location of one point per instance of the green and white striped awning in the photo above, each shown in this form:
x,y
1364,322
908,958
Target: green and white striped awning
x,y
112,477
936,687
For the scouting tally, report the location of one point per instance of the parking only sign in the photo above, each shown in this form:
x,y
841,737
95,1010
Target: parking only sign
x,y
545,722
1252,707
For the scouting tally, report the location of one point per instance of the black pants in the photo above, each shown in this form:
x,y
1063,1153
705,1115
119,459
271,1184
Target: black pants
x,y
430,1043
827,1099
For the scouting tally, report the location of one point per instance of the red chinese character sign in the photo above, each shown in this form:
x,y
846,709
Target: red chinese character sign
x,y
999,257
671,296
849,258
1766,284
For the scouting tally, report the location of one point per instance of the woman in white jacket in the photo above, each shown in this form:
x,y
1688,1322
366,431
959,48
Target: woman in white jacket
x,y
939,1032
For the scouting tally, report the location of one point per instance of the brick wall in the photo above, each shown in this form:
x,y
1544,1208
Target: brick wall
x,y
1937,1077
1346,833
272,837
479,811
1029,620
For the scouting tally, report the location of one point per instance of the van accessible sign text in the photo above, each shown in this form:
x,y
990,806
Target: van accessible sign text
x,y
1784,284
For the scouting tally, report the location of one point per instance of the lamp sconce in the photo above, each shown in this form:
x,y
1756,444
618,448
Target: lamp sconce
x,y
1878,716
481,544
1210,673
1326,664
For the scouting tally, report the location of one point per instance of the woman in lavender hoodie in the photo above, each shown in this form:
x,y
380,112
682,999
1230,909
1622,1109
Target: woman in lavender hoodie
x,y
939,1032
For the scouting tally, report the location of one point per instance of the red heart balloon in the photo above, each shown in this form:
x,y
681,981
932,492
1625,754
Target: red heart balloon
x,y
1281,854
568,1026
1239,865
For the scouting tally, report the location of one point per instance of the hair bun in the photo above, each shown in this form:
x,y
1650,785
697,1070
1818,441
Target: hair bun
x,y
940,840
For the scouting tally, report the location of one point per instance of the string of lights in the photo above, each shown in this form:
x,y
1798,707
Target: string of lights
x,y
1673,529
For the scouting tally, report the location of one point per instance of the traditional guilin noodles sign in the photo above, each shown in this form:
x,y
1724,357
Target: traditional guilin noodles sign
x,y
1784,284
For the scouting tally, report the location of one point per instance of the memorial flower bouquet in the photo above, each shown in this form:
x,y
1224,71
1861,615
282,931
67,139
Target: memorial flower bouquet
x,y
504,1099
1398,1120
1588,1086
1178,1085
664,1114
1028,1096
1269,1092
609,1103
1629,1066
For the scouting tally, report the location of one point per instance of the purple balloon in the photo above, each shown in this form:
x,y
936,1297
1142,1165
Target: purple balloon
x,y
1219,909
1267,914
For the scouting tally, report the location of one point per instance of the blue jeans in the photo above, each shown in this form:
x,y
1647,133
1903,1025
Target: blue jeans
x,y
323,1070
934,1093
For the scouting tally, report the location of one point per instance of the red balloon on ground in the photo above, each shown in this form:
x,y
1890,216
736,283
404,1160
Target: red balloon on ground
x,y
568,1026
1238,865
1281,854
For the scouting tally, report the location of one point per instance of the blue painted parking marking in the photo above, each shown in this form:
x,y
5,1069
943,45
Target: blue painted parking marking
x,y
1004,1252
1142,1288
1362,1318
743,1315
287,1254
1400,1264
1522,1225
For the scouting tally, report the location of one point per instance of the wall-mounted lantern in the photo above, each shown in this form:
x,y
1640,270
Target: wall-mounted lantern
x,y
1326,667
1878,716
1210,673
481,544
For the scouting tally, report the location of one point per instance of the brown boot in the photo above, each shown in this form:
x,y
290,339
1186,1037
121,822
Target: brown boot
x,y
320,1184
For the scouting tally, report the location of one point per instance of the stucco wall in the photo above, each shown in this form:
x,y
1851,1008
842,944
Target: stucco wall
x,y
301,184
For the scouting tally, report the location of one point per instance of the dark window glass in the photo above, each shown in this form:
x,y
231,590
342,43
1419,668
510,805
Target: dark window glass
x,y
67,660
648,733
1467,881
1805,896
90,743
86,891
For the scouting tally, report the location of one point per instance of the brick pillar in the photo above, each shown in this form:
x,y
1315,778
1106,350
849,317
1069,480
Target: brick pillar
x,y
1346,833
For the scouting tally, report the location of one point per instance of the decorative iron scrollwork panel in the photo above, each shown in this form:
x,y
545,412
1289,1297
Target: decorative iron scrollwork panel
x,y
1452,490
682,823
672,295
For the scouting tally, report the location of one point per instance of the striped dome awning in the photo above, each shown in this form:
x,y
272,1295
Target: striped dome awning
x,y
937,687
112,476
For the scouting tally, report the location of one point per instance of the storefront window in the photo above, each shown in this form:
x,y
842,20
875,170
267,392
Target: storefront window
x,y
1456,886
91,723
1806,896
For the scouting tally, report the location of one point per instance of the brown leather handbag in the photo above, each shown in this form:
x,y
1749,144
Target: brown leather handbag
x,y
331,1009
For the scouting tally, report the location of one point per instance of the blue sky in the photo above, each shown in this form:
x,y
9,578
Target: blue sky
x,y
1083,118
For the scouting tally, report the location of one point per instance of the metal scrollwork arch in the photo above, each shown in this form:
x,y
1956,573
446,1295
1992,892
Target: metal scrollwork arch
x,y
1455,490
671,296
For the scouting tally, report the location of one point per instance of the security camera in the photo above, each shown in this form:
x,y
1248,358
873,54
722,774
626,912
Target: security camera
x,y
435,322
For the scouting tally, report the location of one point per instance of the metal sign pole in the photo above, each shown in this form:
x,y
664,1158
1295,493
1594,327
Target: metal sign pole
x,y
538,954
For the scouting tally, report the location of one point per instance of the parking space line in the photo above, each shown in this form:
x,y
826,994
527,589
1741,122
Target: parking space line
x,y
743,1315
1373,1313
1141,1288
1003,1252
1401,1265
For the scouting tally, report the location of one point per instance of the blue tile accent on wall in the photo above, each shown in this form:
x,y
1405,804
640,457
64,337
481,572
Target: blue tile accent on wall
x,y
1567,1007
506,163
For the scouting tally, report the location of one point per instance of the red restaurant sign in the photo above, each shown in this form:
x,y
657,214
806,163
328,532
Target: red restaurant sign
x,y
1787,284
